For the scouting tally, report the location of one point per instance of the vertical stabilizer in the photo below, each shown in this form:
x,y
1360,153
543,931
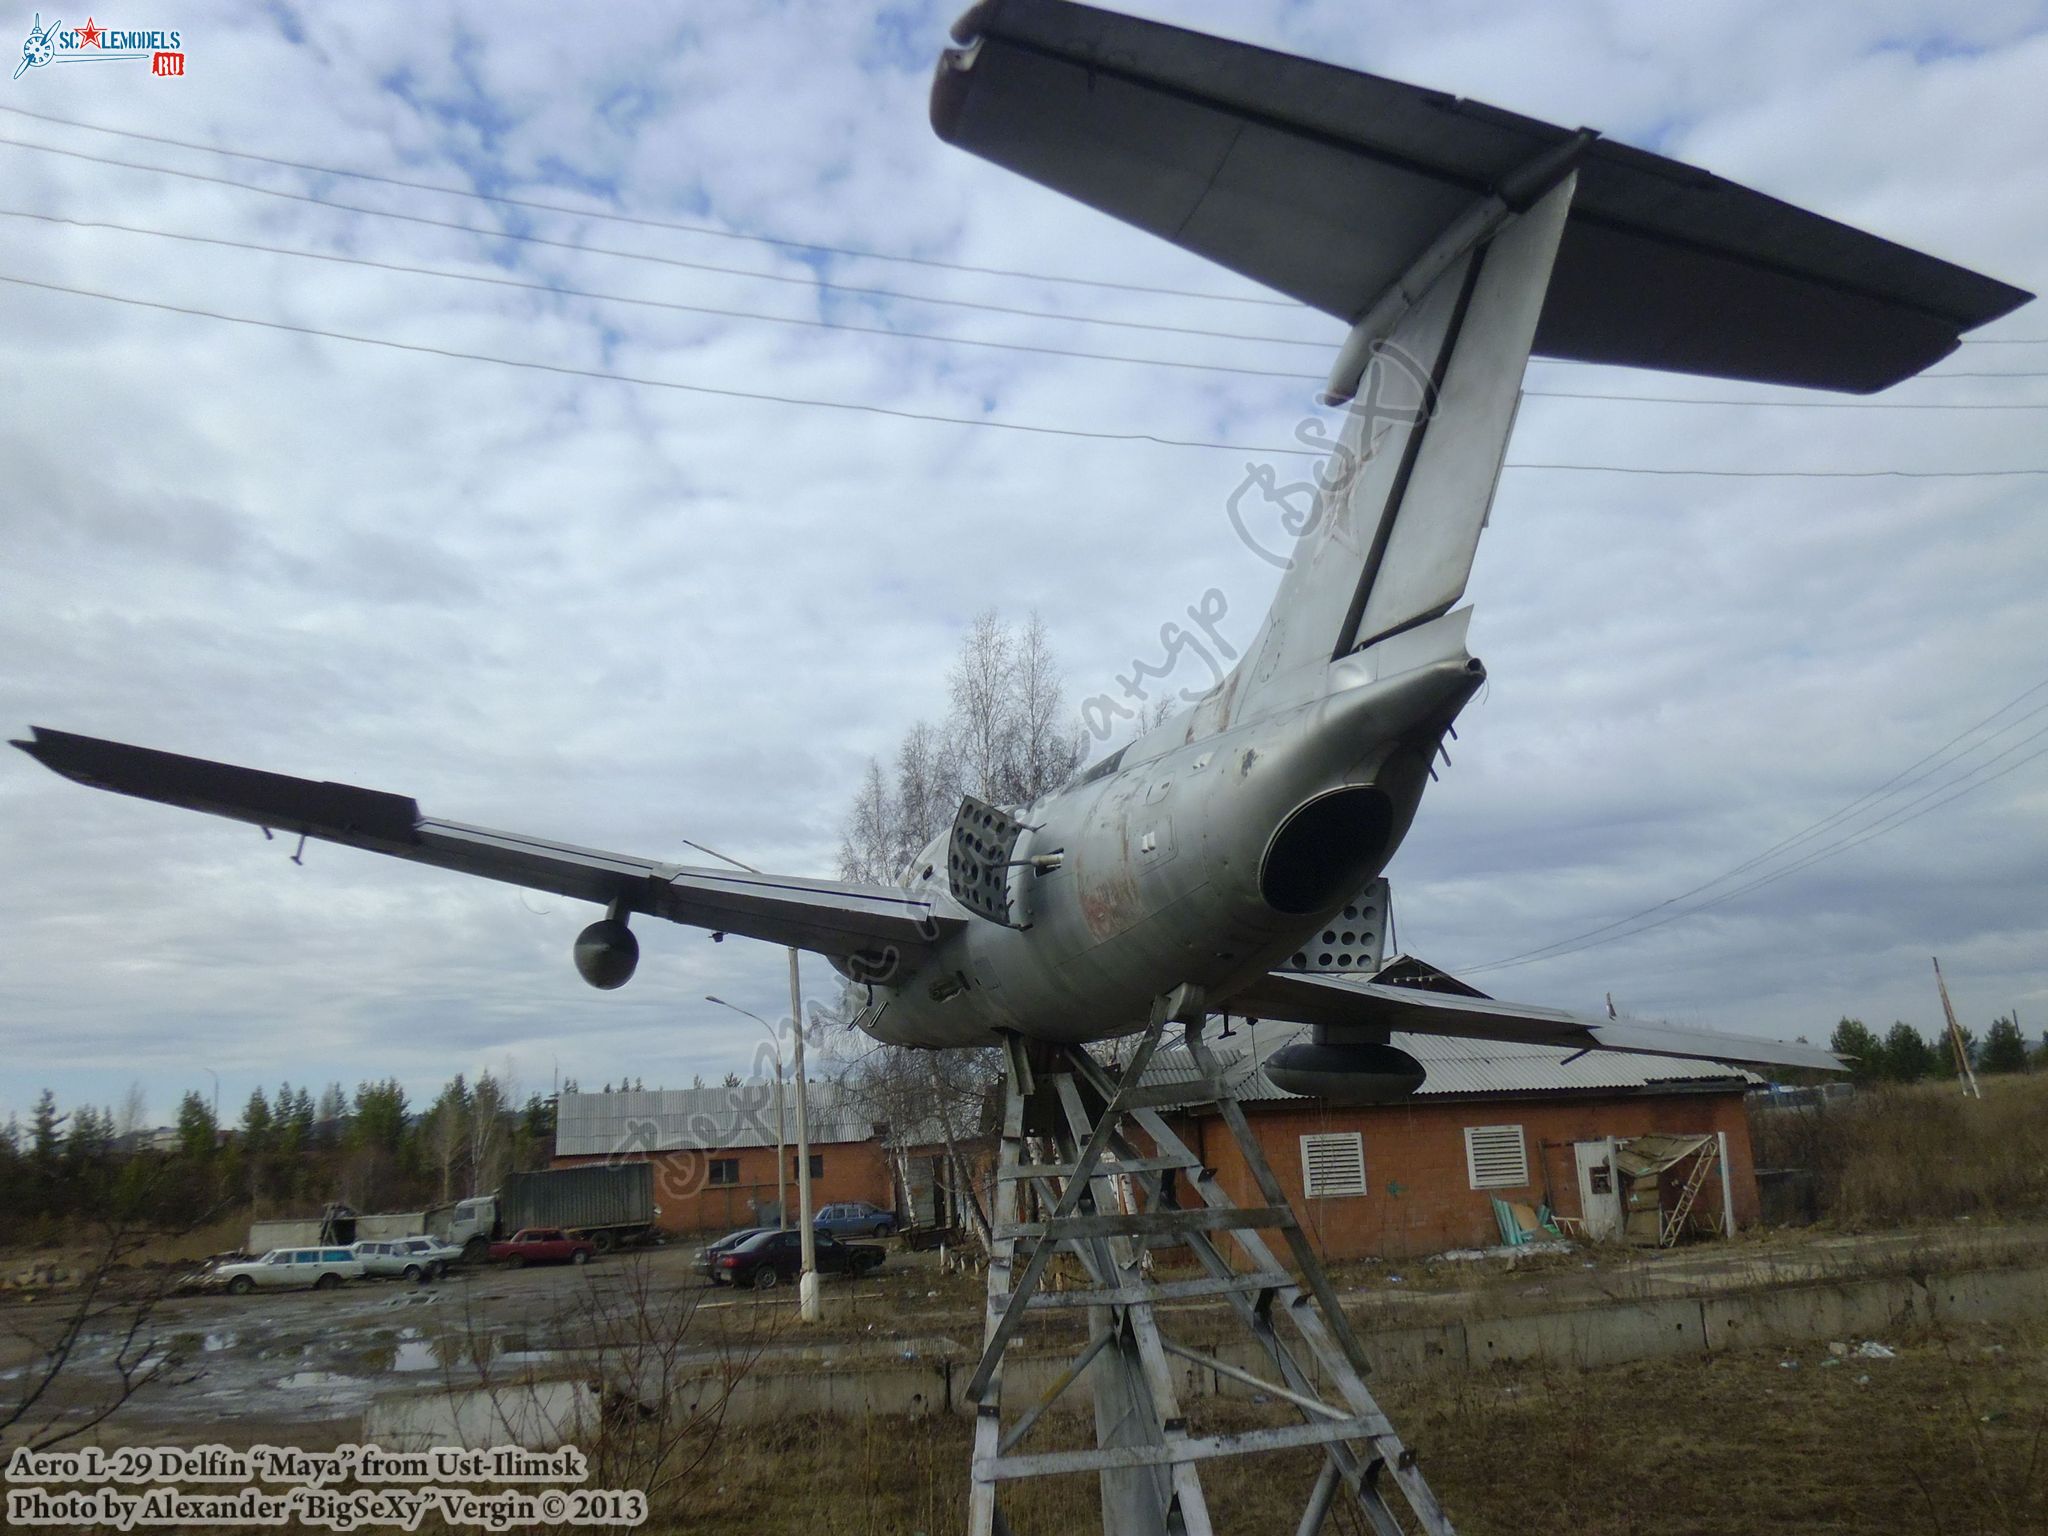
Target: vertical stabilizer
x,y
1407,491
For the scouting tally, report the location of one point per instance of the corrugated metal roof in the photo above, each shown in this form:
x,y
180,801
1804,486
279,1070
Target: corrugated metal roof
x,y
1454,1067
588,1124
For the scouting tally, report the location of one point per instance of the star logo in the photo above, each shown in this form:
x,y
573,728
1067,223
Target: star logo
x,y
89,35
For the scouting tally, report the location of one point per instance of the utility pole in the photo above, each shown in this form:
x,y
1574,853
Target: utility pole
x,y
1964,1074
807,1282
781,1144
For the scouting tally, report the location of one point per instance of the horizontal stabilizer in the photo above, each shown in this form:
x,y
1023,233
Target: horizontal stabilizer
x,y
877,926
1366,1006
1327,183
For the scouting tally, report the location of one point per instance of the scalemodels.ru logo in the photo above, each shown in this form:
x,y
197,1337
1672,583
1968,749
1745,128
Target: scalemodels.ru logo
x,y
95,44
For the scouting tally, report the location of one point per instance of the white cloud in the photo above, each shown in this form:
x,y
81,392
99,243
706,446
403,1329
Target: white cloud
x,y
626,617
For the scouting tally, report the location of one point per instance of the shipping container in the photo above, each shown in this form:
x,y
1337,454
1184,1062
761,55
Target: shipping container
x,y
616,1198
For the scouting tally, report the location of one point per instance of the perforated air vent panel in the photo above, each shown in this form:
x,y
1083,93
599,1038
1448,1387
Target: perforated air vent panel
x,y
1351,943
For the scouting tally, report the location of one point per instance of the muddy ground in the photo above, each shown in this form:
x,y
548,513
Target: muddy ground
x,y
1949,1433
253,1367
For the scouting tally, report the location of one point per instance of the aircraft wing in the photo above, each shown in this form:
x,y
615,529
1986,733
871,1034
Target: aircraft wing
x,y
865,924
1334,1001
1326,183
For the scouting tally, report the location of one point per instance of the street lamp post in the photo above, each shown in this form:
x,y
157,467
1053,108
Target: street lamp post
x,y
781,1144
807,1283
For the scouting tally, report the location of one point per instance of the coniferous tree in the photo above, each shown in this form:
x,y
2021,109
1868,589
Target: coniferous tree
x,y
44,1134
197,1132
2005,1049
1856,1040
1907,1055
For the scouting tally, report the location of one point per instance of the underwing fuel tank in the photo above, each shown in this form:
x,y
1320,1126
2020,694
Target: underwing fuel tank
x,y
1357,1073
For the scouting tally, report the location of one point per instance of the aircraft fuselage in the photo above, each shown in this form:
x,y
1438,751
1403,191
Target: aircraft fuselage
x,y
1189,858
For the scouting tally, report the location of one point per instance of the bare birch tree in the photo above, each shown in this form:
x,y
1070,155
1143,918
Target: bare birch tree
x,y
1006,738
982,684
488,1105
868,841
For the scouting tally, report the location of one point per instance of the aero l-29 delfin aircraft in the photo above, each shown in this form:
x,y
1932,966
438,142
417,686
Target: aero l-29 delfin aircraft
x,y
1218,851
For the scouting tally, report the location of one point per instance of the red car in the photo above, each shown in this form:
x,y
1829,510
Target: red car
x,y
543,1245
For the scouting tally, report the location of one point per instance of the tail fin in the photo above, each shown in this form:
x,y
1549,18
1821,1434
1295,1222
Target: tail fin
x,y
1324,183
1396,526
1455,239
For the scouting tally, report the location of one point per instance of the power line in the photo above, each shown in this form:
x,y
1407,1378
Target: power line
x,y
625,298
1881,791
807,281
895,333
713,231
199,312
810,281
1819,857
1888,824
569,370
1796,405
1896,818
1787,474
644,222
1899,781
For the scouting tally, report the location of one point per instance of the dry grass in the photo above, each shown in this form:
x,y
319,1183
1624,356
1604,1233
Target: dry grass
x,y
1897,1155
1952,1436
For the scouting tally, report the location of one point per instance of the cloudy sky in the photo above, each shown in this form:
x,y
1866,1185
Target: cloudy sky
x,y
629,613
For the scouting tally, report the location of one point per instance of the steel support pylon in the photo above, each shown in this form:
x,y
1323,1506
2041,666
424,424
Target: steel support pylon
x,y
1072,1178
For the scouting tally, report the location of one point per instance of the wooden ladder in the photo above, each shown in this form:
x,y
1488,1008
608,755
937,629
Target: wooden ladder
x,y
1702,1168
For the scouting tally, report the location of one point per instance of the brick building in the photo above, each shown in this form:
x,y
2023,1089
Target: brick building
x,y
713,1150
1527,1124
1532,1125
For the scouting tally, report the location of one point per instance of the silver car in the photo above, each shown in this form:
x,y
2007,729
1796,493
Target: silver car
x,y
415,1258
318,1269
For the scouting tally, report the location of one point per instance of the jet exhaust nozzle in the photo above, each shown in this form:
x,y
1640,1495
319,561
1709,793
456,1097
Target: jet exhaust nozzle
x,y
607,953
1345,1074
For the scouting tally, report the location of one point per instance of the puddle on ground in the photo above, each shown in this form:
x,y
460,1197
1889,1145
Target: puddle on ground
x,y
415,1355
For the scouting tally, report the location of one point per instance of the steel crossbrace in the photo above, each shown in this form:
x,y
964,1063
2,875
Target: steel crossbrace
x,y
1145,1456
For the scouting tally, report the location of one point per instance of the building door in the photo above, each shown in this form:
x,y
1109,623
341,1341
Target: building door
x,y
1599,1189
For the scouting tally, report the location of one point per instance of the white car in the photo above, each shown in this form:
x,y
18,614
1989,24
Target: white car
x,y
416,1258
281,1269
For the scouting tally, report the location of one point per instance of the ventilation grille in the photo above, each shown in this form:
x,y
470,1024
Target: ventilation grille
x,y
1333,1164
1354,941
1496,1157
978,859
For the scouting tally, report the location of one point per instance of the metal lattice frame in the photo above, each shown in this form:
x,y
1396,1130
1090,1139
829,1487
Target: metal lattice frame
x,y
1102,1201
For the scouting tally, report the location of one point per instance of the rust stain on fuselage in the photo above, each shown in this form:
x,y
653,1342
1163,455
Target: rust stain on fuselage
x,y
1110,903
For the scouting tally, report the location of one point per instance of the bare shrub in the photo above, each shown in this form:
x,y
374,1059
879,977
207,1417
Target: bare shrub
x,y
1918,1152
652,1393
111,1311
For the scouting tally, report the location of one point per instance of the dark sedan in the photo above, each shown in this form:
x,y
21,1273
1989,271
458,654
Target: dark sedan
x,y
767,1259
708,1255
